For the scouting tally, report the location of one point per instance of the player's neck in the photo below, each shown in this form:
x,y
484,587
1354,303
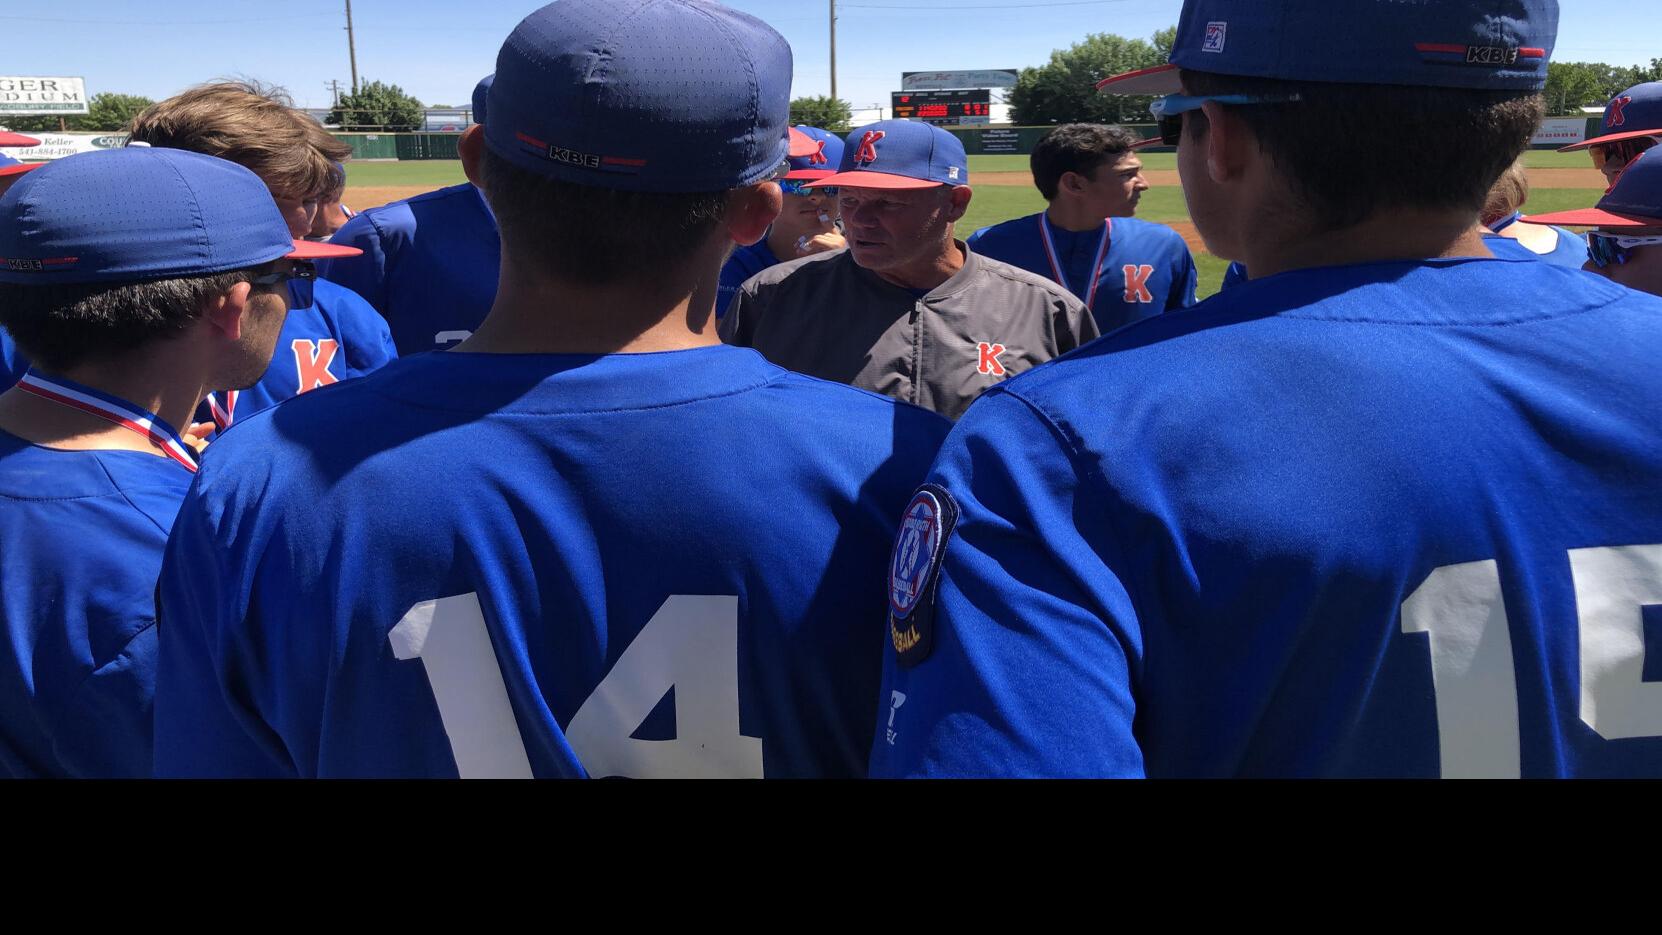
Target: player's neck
x,y
1069,215
162,382
1406,234
536,315
929,272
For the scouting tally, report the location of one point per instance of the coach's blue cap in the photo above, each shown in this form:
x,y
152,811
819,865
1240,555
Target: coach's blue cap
x,y
1492,45
900,154
481,97
1634,201
642,95
822,159
134,214
1634,112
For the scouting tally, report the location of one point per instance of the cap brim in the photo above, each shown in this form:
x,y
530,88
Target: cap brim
x,y
1609,138
801,144
8,138
1161,79
805,174
873,180
315,250
19,169
1592,217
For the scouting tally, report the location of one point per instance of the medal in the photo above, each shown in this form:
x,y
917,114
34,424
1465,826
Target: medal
x,y
1096,267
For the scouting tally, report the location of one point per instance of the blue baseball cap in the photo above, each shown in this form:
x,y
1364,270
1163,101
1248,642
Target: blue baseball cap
x,y
821,158
1634,201
1490,45
138,213
1634,112
642,95
900,154
481,97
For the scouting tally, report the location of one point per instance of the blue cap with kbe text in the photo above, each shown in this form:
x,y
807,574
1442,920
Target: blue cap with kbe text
x,y
642,95
1491,45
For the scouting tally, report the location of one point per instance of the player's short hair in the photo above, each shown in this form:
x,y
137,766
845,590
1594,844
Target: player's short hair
x,y
595,236
62,325
1508,194
1081,148
1348,150
252,125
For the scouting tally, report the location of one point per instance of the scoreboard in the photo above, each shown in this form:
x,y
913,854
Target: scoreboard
x,y
943,108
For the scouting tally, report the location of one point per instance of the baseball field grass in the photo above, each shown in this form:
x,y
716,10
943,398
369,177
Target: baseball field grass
x,y
1004,190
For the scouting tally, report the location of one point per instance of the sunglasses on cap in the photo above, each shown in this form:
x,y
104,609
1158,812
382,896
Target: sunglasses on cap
x,y
1606,249
1168,111
800,187
1621,152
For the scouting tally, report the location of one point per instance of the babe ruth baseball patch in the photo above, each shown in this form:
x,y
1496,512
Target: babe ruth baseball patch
x,y
914,571
1215,34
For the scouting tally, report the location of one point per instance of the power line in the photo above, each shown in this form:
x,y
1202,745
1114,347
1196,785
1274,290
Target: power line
x,y
155,22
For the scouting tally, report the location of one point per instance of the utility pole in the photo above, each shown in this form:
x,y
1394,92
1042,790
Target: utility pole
x,y
351,47
334,90
833,49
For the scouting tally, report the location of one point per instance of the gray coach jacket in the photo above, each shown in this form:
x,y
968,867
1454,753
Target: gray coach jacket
x,y
828,317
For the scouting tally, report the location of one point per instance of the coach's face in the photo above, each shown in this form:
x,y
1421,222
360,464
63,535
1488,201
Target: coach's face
x,y
895,229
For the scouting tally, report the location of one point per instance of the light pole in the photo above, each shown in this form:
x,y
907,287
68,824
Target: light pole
x,y
833,49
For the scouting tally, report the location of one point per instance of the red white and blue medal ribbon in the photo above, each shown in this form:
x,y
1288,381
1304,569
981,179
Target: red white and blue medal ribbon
x,y
1096,266
223,414
110,409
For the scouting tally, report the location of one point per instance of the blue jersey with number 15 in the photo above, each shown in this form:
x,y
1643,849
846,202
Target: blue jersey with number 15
x,y
644,565
1399,519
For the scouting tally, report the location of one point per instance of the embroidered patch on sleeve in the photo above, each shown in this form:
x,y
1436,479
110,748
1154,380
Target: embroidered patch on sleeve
x,y
914,571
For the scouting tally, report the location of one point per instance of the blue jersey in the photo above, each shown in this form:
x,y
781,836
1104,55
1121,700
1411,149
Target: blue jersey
x,y
744,263
1146,270
429,265
12,362
1233,276
337,337
81,539
1371,520
488,565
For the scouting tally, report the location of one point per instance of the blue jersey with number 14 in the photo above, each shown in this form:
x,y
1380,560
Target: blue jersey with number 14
x,y
1399,519
514,565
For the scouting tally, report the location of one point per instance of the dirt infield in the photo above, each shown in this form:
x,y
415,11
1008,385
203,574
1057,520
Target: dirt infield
x,y
359,198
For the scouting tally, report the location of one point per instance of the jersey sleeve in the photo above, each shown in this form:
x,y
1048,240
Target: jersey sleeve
x,y
205,722
367,336
1034,643
104,729
367,274
1185,278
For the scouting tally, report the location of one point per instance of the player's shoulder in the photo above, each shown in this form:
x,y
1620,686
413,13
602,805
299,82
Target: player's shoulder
x,y
1149,232
403,216
1022,228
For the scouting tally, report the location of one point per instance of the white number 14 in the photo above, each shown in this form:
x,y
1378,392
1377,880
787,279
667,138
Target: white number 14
x,y
1472,672
691,645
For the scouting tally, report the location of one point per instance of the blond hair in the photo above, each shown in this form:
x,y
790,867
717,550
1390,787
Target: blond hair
x,y
252,125
1508,194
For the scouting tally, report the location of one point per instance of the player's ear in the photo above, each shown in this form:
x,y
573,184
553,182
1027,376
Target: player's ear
x,y
751,209
1229,143
224,312
471,147
958,200
1070,182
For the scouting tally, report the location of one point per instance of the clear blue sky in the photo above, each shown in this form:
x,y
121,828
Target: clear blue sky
x,y
437,49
